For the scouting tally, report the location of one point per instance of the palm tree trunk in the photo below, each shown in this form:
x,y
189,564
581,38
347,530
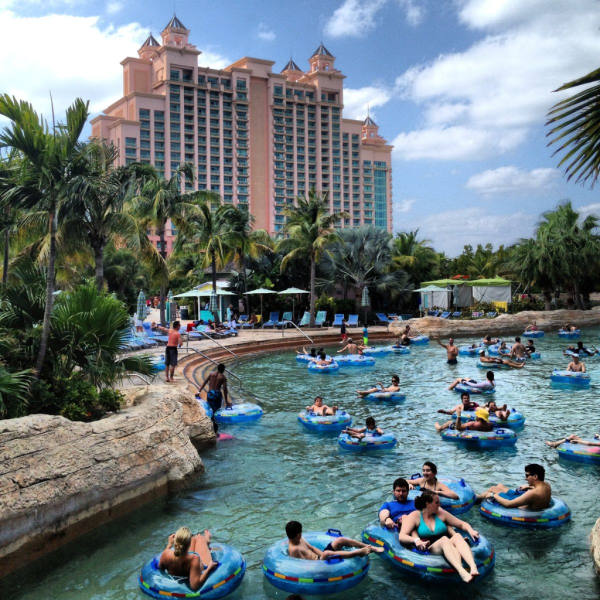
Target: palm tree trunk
x,y
547,300
6,257
313,275
245,299
99,260
578,300
39,363
163,292
213,259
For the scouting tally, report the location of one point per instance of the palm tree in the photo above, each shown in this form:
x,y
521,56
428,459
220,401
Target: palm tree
x,y
415,256
8,175
161,200
310,228
575,124
482,265
45,170
361,257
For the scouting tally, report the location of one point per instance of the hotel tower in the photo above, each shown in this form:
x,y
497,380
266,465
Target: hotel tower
x,y
256,137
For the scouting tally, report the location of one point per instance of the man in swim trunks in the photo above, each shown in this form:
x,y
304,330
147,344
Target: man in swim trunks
x,y
395,387
318,408
465,404
481,423
537,494
216,380
351,347
576,365
518,350
499,361
391,513
173,343
300,548
451,349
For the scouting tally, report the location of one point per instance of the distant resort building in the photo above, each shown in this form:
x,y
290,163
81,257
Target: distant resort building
x,y
256,137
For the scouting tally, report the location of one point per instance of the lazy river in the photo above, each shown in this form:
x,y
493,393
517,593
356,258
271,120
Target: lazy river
x,y
275,470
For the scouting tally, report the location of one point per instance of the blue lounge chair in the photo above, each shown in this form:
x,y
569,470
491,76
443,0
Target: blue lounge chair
x,y
321,318
433,313
491,315
352,321
456,314
382,319
243,319
445,315
287,316
394,316
273,320
337,321
305,319
155,336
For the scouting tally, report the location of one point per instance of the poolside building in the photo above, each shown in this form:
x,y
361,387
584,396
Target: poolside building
x,y
257,137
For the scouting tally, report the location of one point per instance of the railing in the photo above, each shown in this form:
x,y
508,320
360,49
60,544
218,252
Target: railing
x,y
298,328
144,379
215,341
214,362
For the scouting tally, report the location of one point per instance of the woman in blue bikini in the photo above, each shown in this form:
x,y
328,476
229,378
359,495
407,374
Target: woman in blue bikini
x,y
189,558
431,528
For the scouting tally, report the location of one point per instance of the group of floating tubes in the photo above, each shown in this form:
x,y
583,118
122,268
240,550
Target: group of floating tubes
x,y
557,514
221,581
569,334
497,438
515,420
325,423
570,377
534,334
580,453
368,443
455,506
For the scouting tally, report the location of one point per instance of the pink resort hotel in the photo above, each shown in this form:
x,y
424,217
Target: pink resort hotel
x,y
256,137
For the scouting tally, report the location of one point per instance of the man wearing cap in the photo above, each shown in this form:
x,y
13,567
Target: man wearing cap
x,y
576,365
481,423
451,349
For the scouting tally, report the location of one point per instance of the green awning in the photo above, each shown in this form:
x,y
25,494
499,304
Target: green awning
x,y
444,282
496,282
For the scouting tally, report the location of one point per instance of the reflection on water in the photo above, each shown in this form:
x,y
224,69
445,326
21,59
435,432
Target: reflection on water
x,y
274,471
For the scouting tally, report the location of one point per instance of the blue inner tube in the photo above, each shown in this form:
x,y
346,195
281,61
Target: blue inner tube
x,y
386,396
419,339
306,358
497,438
378,351
431,567
312,577
465,387
330,368
515,419
205,405
367,444
244,412
455,506
399,349
336,422
355,360
589,455
158,363
468,351
557,514
481,365
495,349
221,581
570,377
533,334
533,355
583,355
569,334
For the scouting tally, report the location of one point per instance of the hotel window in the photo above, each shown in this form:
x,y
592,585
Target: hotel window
x,y
129,141
174,74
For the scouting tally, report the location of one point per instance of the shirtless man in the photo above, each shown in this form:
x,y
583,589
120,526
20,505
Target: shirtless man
x,y
300,548
395,387
465,404
576,365
481,423
351,347
499,361
537,494
323,360
581,349
318,408
488,340
451,349
216,380
173,343
518,350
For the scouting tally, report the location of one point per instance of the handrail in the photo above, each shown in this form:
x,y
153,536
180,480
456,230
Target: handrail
x,y
216,363
144,379
215,341
298,328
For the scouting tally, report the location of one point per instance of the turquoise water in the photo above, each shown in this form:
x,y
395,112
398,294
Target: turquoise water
x,y
275,471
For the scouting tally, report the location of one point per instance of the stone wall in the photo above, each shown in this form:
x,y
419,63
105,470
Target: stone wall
x,y
59,479
502,324
595,544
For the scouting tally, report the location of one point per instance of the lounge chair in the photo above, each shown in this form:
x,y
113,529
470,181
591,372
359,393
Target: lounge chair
x,y
456,314
153,335
287,316
337,321
491,315
273,320
321,318
382,319
433,313
394,316
305,319
477,315
445,315
352,321
243,319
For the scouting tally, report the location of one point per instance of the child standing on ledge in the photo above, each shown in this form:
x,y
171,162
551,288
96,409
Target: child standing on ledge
x,y
366,336
343,331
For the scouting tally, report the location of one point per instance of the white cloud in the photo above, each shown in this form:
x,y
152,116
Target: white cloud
x,y
413,11
404,206
213,58
513,181
114,7
589,209
484,100
357,102
354,18
451,230
264,33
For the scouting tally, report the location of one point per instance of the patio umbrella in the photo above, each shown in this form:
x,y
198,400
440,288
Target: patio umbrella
x,y
293,291
365,301
261,291
214,305
142,312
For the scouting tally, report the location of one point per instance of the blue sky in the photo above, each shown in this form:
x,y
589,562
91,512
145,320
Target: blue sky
x,y
460,87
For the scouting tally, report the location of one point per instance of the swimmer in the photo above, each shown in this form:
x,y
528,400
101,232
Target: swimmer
x,y
351,347
502,413
518,350
488,384
500,361
360,432
580,349
392,513
311,354
481,422
576,366
395,387
488,340
532,327
323,360
299,548
574,439
318,408
503,349
537,494
530,348
451,350
189,558
568,328
429,482
465,404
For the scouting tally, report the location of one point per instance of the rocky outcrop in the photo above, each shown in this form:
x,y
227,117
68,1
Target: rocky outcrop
x,y
595,545
548,321
59,479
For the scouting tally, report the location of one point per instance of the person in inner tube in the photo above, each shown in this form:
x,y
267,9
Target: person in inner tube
x,y
576,366
360,432
494,360
484,386
351,347
575,439
466,404
481,423
300,548
535,495
391,513
581,349
394,387
323,360
318,408
530,348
